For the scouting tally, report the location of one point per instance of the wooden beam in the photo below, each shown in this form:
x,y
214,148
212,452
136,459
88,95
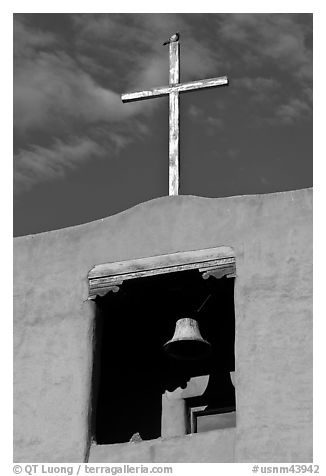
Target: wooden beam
x,y
174,119
161,261
201,84
174,68
227,266
108,277
147,94
174,147
181,88
216,268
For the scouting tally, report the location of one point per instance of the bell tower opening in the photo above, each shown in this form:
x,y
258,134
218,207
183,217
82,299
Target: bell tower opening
x,y
133,368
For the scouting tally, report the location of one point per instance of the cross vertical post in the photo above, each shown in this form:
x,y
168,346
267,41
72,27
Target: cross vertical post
x,y
174,120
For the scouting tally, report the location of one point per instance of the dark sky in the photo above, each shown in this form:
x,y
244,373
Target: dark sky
x,y
80,154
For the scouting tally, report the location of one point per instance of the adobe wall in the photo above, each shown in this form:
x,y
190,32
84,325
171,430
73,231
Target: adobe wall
x,y
208,447
53,323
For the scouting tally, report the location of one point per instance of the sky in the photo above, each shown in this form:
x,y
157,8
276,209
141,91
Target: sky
x,y
80,154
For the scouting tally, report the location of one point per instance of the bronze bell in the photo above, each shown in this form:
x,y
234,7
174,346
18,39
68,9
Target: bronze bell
x,y
187,343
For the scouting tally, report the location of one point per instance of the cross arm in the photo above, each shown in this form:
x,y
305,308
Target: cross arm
x,y
203,83
181,88
150,93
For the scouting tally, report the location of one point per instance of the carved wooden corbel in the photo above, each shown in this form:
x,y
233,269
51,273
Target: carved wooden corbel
x,y
218,272
95,292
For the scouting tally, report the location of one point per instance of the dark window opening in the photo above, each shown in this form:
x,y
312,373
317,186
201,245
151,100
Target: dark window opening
x,y
132,371
202,419
215,408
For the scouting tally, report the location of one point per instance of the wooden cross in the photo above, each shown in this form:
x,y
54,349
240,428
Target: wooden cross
x,y
173,90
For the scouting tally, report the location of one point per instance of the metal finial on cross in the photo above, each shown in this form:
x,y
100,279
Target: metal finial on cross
x,y
173,90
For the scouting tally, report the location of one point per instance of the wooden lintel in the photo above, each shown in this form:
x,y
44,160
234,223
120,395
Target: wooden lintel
x,y
106,280
108,276
208,256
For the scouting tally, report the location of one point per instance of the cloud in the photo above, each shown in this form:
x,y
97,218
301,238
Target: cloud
x,y
233,153
52,88
135,31
194,111
209,123
257,84
278,48
135,40
36,164
281,38
39,164
132,41
214,123
280,109
27,41
293,110
66,87
261,89
54,96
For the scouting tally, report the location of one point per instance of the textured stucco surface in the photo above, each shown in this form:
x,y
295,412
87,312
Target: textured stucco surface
x,y
206,447
272,239
173,418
